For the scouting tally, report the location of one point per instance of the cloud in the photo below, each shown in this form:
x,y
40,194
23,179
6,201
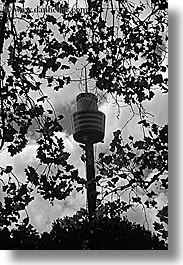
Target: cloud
x,y
42,213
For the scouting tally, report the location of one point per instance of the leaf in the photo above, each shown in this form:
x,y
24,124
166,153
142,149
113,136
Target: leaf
x,y
8,169
20,206
107,159
42,98
151,95
139,144
136,199
153,203
158,226
163,69
65,67
56,66
78,189
74,174
155,129
67,79
26,221
127,207
151,194
131,155
144,123
115,180
51,19
60,117
163,214
101,155
158,79
32,175
164,183
72,59
164,234
5,188
61,84
50,80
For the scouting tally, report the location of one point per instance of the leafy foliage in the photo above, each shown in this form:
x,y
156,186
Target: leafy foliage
x,y
124,171
123,44
127,162
106,231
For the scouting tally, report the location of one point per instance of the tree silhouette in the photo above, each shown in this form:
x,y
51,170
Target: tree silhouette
x,y
123,46
77,232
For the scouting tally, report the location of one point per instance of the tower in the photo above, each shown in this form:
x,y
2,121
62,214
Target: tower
x,y
89,129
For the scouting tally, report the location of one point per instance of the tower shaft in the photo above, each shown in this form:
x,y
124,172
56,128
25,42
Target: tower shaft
x,y
90,176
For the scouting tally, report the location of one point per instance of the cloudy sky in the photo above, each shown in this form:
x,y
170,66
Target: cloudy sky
x,y
41,212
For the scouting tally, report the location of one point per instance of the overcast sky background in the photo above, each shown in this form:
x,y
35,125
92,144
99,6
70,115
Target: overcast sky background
x,y
41,212
175,254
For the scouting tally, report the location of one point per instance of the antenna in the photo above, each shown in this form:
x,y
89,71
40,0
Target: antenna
x,y
86,88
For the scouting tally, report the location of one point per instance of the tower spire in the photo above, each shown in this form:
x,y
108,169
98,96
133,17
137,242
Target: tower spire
x,y
86,87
